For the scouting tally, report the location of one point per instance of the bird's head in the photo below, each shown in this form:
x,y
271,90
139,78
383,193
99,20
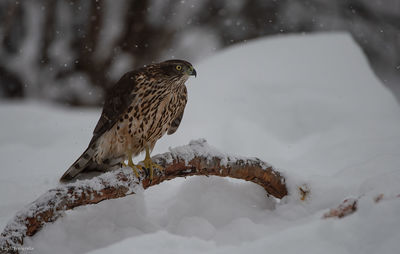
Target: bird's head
x,y
178,68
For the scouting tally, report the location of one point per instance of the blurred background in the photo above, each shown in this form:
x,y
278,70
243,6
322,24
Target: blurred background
x,y
70,51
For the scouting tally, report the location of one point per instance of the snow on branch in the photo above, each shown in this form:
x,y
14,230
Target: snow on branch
x,y
197,158
350,206
347,207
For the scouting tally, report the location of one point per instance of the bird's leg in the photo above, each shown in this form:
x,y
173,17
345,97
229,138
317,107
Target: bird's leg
x,y
132,165
148,163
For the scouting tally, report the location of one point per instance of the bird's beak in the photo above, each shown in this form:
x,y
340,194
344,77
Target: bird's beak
x,y
192,72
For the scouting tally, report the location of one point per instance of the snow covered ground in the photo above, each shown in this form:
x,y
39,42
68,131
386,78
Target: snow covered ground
x,y
309,105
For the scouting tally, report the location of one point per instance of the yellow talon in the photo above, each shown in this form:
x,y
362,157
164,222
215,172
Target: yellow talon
x,y
148,163
132,165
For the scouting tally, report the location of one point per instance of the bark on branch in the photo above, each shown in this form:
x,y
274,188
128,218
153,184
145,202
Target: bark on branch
x,y
197,158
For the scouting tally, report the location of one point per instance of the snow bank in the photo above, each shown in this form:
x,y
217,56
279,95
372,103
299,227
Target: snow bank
x,y
309,105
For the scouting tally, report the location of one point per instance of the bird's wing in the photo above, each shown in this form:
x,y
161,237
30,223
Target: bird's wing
x,y
118,99
177,121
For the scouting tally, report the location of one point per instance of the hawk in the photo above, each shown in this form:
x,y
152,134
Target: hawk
x,y
139,109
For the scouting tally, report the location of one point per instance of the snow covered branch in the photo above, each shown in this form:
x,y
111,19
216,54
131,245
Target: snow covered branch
x,y
350,206
197,158
347,207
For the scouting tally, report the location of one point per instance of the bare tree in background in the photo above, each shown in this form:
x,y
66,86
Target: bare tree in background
x,y
71,51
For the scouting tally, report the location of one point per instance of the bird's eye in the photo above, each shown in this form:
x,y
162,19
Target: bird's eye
x,y
178,67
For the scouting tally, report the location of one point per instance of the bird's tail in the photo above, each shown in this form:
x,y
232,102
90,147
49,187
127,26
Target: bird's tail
x,y
84,161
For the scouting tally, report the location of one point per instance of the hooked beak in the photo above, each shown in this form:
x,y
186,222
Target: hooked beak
x,y
192,72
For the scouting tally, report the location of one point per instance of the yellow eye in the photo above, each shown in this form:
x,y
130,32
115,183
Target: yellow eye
x,y
178,67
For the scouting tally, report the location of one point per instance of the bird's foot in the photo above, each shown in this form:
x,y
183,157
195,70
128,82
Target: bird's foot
x,y
150,165
134,167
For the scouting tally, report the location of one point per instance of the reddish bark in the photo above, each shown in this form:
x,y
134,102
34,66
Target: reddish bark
x,y
51,205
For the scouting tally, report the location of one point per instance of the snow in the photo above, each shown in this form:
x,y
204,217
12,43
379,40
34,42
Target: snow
x,y
309,105
200,148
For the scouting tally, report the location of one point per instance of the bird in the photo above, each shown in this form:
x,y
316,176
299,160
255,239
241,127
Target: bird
x,y
138,110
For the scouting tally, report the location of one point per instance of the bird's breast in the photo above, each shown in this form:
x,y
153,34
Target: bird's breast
x,y
151,117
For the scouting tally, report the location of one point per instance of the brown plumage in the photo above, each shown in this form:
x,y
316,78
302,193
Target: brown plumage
x,y
139,109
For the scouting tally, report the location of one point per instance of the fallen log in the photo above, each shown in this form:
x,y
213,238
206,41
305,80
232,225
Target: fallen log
x,y
196,158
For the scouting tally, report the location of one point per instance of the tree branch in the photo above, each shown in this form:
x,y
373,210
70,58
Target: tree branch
x,y
197,158
347,207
